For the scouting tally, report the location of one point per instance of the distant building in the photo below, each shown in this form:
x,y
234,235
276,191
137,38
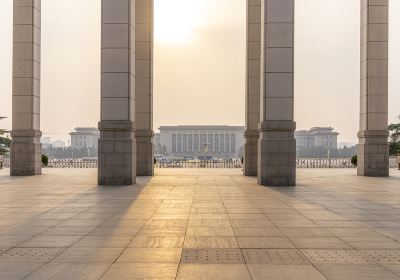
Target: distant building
x,y
58,144
46,142
85,137
316,137
157,139
342,145
198,141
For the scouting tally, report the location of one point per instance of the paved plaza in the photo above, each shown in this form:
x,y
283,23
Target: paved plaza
x,y
199,224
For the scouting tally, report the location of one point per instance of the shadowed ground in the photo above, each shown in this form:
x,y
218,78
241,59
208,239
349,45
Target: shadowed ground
x,y
199,224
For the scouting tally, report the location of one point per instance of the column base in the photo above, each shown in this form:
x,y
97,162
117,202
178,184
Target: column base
x,y
26,153
117,153
145,153
277,154
250,153
373,153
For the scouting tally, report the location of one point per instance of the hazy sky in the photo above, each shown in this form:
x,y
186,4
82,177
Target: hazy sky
x,y
199,71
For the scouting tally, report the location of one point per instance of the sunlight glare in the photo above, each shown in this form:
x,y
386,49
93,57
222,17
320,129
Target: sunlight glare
x,y
175,20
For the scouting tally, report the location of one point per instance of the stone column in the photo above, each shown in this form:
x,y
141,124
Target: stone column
x,y
373,150
252,87
277,146
25,147
144,88
117,145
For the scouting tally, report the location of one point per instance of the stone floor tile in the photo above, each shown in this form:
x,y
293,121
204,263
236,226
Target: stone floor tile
x,y
294,223
361,245
357,271
89,255
50,241
136,271
246,216
337,224
19,230
260,231
264,242
150,255
209,231
166,223
393,268
274,256
203,210
319,243
162,231
115,231
30,255
327,209
210,242
82,223
157,242
208,216
305,232
103,242
382,256
252,223
332,256
213,271
354,232
69,271
17,271
12,240
59,230
124,223
284,272
209,223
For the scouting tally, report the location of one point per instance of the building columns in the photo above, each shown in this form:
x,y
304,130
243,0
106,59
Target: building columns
x,y
277,145
144,88
373,149
117,144
26,158
252,87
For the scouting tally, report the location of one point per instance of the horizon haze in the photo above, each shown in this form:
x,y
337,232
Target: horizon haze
x,y
199,66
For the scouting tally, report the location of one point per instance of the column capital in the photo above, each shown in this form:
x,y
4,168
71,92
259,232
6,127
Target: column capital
x,y
117,126
251,133
144,133
26,133
373,134
277,126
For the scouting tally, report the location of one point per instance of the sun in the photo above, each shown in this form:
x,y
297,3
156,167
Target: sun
x,y
175,20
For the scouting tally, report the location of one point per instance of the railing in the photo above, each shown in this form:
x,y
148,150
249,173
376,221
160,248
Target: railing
x,y
301,163
394,162
200,164
56,163
6,162
324,163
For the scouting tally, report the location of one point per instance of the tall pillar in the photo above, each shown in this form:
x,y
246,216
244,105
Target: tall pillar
x,y
25,147
144,88
373,149
117,145
252,87
277,146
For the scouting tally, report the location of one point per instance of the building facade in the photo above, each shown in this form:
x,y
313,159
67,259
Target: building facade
x,y
316,137
85,137
199,141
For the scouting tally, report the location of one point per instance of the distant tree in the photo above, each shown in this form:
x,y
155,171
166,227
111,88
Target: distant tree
x,y
394,139
354,160
45,160
4,142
